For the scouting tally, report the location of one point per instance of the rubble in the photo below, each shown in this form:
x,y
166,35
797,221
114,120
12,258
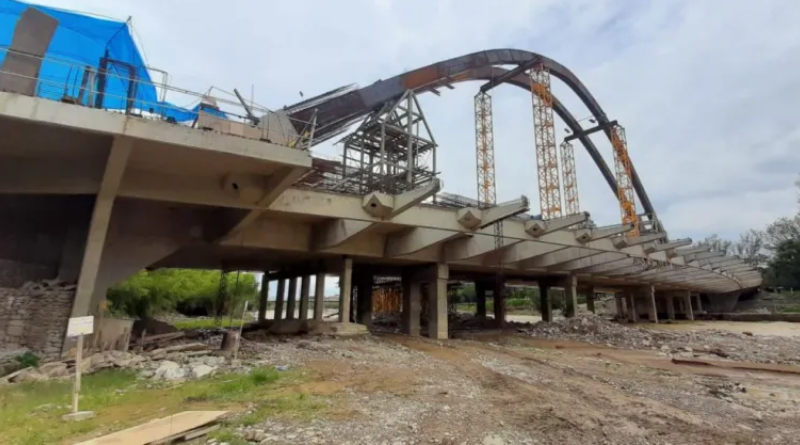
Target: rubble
x,y
744,347
175,363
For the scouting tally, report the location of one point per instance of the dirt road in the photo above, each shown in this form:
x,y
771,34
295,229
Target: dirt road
x,y
514,389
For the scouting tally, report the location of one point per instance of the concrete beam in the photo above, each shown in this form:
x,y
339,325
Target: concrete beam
x,y
98,228
652,248
627,241
461,249
537,228
414,240
472,218
502,212
334,233
703,256
272,188
523,251
385,206
586,235
691,250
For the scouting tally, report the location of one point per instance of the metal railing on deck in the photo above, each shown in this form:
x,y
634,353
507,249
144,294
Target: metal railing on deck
x,y
117,87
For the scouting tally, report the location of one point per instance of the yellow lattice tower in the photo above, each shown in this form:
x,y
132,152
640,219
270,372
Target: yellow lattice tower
x,y
484,148
624,172
546,155
572,205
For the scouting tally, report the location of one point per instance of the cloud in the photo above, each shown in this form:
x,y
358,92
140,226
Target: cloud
x,y
708,93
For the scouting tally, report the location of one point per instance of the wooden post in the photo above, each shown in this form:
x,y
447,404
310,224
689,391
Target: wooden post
x,y
76,388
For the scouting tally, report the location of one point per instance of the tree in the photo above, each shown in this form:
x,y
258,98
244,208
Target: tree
x,y
781,231
750,248
147,293
784,267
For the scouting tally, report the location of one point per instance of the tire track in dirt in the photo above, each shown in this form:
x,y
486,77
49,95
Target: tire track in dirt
x,y
566,406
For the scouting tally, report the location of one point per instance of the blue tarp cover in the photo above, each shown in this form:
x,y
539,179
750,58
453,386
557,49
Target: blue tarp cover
x,y
81,41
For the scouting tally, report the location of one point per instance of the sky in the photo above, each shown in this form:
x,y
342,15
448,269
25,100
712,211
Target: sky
x,y
708,90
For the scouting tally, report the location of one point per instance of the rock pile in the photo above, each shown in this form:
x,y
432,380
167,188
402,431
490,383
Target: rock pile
x,y
691,343
174,363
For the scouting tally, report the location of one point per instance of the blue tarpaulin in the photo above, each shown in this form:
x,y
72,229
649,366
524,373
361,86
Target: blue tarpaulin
x,y
81,41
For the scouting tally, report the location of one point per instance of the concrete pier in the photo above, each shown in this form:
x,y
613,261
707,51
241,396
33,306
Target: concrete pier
x,y
571,296
305,284
319,296
279,298
411,304
291,299
650,301
345,289
437,301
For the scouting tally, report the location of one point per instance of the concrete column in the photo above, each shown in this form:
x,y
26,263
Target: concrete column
x,y
411,304
699,303
262,300
291,299
650,299
98,227
499,293
590,299
620,299
633,313
687,303
480,299
437,301
279,298
305,284
319,296
345,289
364,299
670,302
545,303
571,296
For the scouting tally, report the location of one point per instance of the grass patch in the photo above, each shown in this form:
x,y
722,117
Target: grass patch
x,y
791,310
31,412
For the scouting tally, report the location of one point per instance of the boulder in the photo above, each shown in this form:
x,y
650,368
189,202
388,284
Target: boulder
x,y
54,370
171,371
200,371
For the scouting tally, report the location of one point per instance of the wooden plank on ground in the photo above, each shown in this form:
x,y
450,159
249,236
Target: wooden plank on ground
x,y
158,429
785,369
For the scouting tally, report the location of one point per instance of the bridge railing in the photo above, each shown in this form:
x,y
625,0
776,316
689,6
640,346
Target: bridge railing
x,y
121,88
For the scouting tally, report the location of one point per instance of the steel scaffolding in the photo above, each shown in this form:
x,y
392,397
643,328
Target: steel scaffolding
x,y
572,205
622,165
392,151
546,154
484,149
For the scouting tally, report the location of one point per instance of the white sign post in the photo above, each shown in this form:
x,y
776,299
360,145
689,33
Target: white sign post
x,y
78,327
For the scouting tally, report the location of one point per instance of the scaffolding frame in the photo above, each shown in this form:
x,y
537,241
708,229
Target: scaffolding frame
x,y
392,151
569,176
546,154
624,173
484,149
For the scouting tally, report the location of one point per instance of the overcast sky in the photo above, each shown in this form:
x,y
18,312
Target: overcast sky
x,y
708,90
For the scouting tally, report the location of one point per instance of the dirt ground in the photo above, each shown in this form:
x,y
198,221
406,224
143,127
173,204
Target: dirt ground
x,y
511,388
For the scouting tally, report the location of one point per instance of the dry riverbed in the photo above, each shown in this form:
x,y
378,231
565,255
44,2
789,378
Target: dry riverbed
x,y
484,389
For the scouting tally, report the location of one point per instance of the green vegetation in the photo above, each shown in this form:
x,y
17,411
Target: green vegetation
x,y
31,412
194,292
27,360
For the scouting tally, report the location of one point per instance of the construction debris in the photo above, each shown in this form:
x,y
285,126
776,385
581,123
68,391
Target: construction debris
x,y
683,344
175,363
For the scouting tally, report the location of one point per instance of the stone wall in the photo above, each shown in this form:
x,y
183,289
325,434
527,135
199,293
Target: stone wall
x,y
16,273
35,316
